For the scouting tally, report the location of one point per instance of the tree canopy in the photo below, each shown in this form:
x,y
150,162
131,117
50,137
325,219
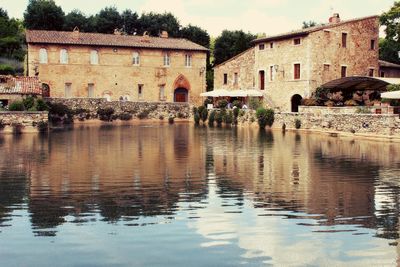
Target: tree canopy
x,y
43,15
154,23
231,43
309,24
11,37
390,46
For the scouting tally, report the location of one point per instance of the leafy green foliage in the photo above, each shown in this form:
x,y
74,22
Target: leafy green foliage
x,y
231,43
265,117
389,46
108,19
255,103
211,118
204,115
28,102
11,38
297,123
6,70
196,118
219,118
223,103
154,23
171,119
105,114
76,18
309,24
228,118
41,105
16,106
43,15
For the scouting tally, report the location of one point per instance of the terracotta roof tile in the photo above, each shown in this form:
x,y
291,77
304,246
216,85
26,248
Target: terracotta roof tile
x,y
20,85
99,39
387,64
306,31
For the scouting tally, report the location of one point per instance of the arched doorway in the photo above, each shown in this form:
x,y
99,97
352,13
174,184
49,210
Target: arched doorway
x,y
181,95
296,102
181,89
45,90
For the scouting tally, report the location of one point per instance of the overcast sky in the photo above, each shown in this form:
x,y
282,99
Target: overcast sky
x,y
256,16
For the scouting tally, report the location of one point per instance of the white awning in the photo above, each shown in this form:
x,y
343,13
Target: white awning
x,y
391,95
232,93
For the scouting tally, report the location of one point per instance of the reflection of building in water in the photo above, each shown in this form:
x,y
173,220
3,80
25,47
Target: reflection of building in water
x,y
122,172
331,179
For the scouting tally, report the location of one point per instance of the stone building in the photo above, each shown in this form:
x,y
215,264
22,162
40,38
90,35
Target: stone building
x,y
388,69
290,66
15,88
117,67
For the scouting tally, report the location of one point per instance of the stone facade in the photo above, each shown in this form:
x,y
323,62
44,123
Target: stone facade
x,y
374,124
317,53
89,107
23,121
115,74
242,65
388,69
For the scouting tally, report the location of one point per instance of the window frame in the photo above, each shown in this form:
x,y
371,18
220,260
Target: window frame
x,y
43,56
225,78
261,79
188,60
136,58
94,54
372,44
261,47
344,39
297,43
90,90
140,91
296,72
166,59
343,69
68,90
162,95
64,57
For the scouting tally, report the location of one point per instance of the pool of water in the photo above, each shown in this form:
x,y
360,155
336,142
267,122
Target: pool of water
x,y
179,195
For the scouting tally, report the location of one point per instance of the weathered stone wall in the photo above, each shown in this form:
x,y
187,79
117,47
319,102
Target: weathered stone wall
x,y
90,106
23,121
243,65
347,110
115,74
376,124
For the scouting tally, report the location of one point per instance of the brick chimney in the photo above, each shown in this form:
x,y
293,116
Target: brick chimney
x,y
335,18
164,34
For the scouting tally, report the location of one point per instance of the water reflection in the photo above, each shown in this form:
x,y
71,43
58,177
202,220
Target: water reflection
x,y
258,195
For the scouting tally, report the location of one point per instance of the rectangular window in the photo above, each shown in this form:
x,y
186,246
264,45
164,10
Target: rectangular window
x,y
94,57
140,91
225,78
372,44
90,90
43,56
297,41
297,71
382,74
261,47
271,73
271,45
343,71
136,59
326,67
166,60
235,78
188,60
63,56
261,79
68,90
344,39
162,92
371,72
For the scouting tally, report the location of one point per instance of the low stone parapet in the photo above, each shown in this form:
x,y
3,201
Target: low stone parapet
x,y
23,121
378,124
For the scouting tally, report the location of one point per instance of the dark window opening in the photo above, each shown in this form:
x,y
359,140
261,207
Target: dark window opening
x,y
271,45
261,47
326,67
344,40
382,74
344,71
297,41
262,79
371,72
372,44
296,71
225,78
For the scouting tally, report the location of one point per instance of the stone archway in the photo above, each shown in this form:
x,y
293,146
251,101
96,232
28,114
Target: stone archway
x,y
296,102
181,89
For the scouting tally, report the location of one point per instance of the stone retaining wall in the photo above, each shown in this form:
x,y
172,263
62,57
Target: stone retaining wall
x,y
349,110
154,109
23,121
377,124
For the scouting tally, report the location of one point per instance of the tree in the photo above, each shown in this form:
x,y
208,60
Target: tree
x,y
309,24
11,37
196,35
130,22
231,43
75,19
107,20
43,15
390,46
154,23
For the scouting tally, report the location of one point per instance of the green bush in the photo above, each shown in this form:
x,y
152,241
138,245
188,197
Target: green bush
x,y
207,101
255,103
125,116
41,105
42,126
265,117
321,94
171,120
105,114
143,114
297,123
236,112
219,118
211,118
237,104
7,69
2,124
16,106
228,118
195,110
204,115
28,102
222,103
196,118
